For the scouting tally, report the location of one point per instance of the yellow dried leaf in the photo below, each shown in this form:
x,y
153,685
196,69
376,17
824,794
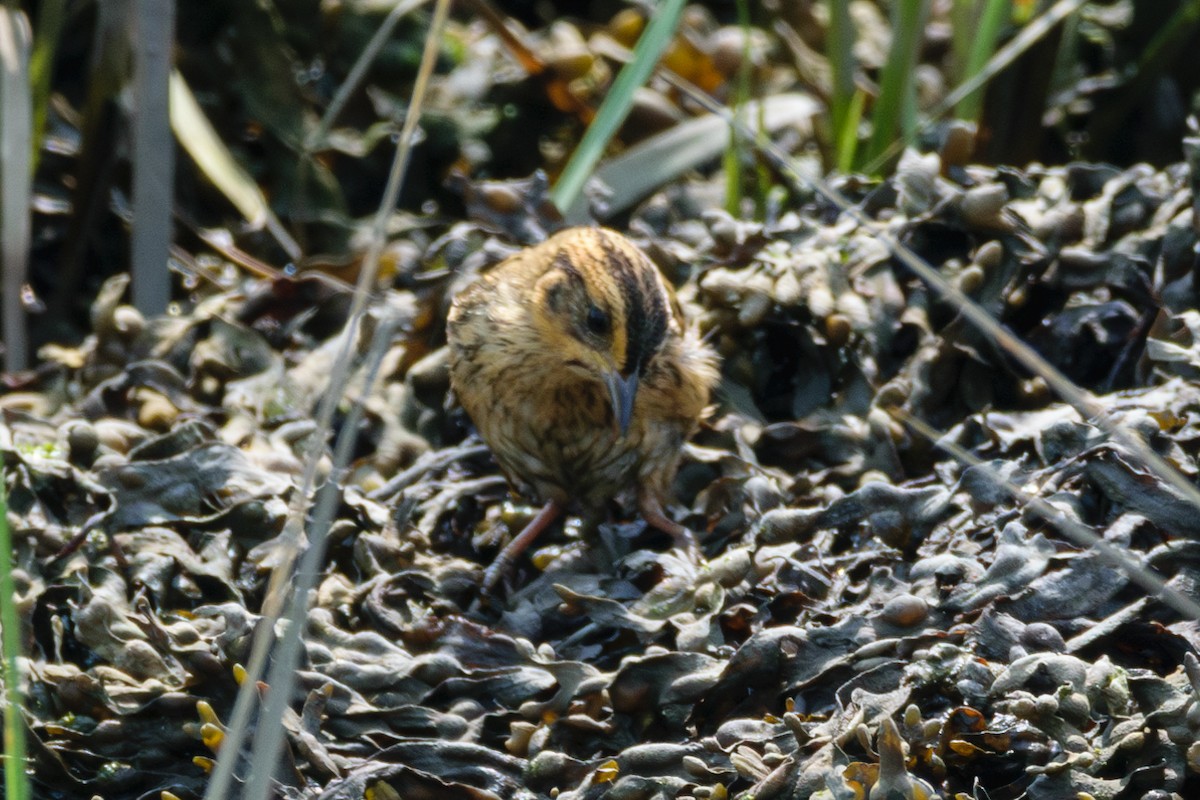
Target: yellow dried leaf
x,y
607,772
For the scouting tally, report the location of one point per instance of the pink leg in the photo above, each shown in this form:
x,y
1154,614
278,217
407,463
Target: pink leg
x,y
504,562
78,539
652,512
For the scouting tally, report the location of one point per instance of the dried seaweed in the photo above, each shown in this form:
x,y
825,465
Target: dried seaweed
x,y
872,618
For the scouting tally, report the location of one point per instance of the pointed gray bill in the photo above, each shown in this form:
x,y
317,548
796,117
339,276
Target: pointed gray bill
x,y
621,393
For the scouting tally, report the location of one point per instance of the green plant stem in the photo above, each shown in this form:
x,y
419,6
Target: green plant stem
x,y
895,107
733,159
16,782
982,47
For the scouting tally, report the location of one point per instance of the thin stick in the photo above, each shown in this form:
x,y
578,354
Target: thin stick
x,y
1079,533
278,593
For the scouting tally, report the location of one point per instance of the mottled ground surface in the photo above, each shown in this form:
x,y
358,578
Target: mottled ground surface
x,y
873,615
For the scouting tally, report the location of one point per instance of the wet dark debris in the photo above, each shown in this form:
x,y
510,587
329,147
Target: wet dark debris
x,y
874,618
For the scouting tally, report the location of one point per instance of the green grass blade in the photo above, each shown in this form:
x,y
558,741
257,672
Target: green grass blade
x,y
839,50
962,24
846,145
982,47
16,782
895,106
732,166
616,105
51,17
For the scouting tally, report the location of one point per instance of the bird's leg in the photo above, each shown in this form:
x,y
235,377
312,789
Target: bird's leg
x,y
652,512
504,561
78,539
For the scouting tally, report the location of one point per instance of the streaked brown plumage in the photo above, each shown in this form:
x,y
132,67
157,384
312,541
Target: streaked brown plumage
x,y
575,362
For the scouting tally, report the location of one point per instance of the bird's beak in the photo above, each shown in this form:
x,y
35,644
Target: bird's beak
x,y
621,392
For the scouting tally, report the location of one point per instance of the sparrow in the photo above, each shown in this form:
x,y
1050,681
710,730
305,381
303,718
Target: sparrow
x,y
581,373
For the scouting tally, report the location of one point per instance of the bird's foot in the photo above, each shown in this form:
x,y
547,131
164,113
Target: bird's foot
x,y
497,571
685,540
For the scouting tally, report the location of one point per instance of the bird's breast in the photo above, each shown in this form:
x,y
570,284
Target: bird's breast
x,y
560,441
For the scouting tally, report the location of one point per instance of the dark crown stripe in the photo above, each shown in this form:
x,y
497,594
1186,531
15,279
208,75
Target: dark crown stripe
x,y
562,260
645,307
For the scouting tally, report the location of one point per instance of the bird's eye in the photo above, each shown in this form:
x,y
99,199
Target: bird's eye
x,y
597,321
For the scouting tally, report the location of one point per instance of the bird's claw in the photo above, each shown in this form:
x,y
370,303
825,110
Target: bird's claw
x,y
685,540
496,573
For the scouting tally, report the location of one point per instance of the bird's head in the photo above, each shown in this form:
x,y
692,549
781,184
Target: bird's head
x,y
603,308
